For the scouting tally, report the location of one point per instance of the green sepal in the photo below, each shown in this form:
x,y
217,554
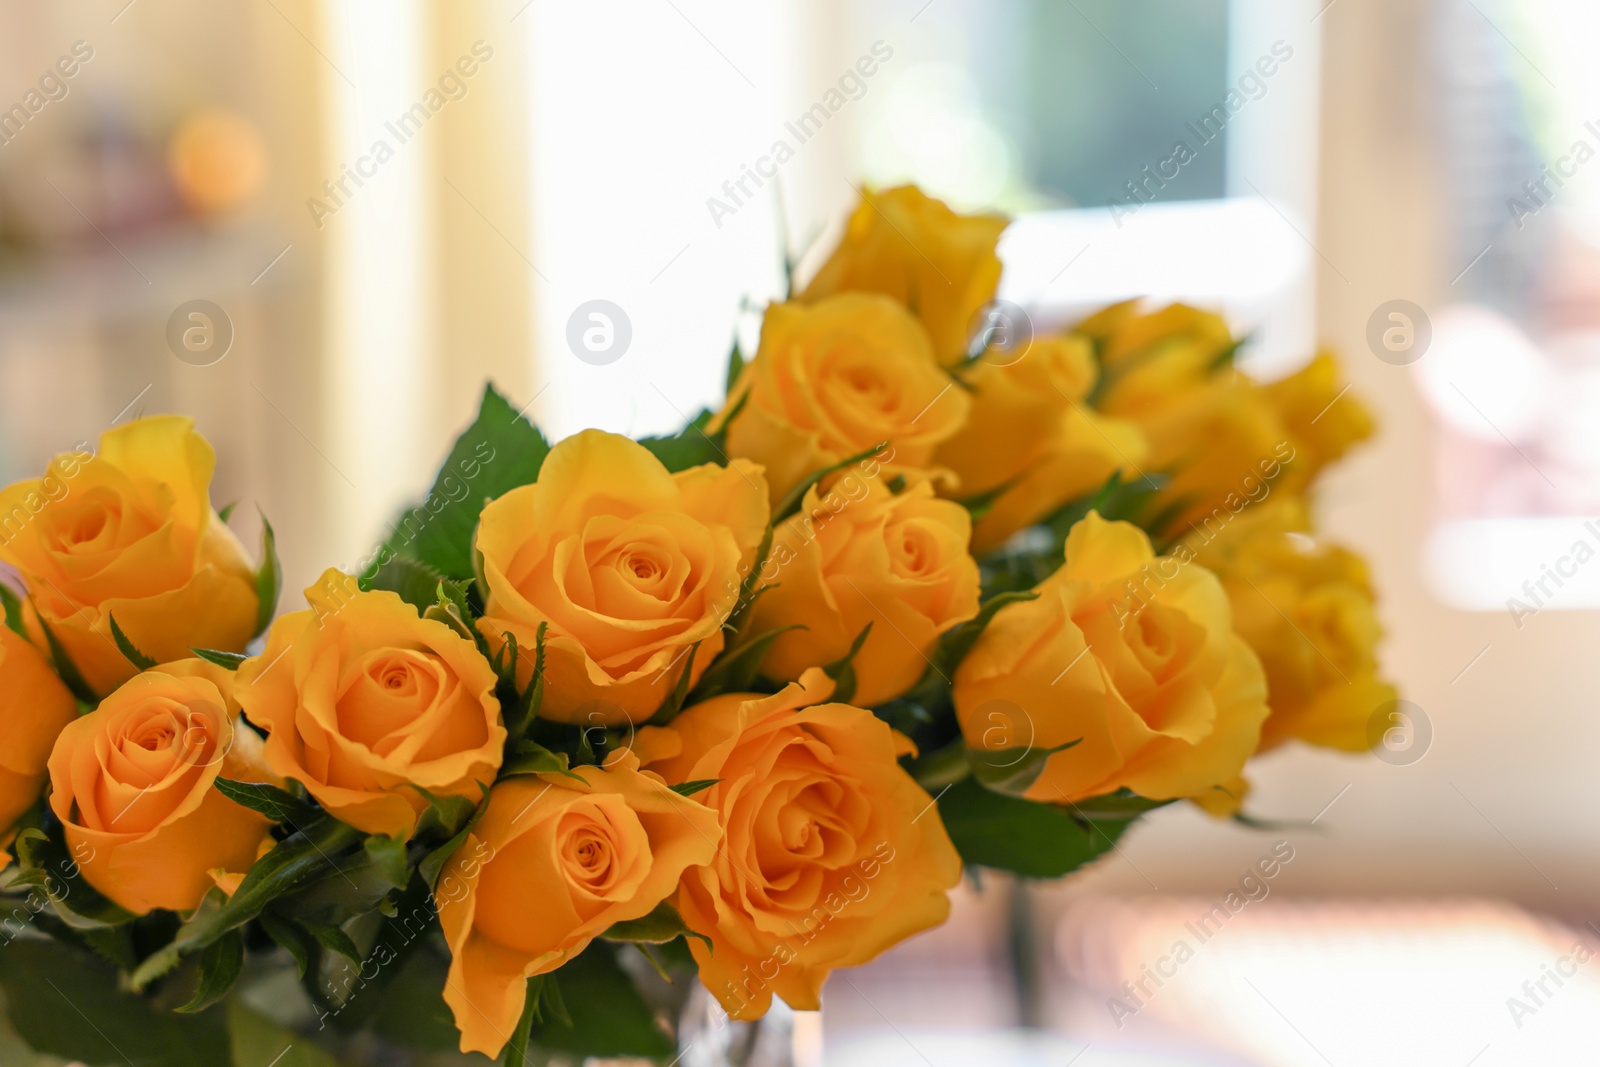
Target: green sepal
x,y
65,667
529,757
269,577
663,924
735,671
843,669
12,603
139,660
794,497
227,660
674,701
1012,771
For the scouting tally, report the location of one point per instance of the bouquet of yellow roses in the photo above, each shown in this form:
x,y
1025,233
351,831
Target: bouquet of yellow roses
x,y
737,703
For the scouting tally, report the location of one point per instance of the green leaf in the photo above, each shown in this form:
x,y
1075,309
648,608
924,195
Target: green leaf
x,y
526,708
293,937
1012,770
65,667
12,603
227,512
333,939
47,862
387,855
735,671
699,785
220,965
691,446
432,865
793,498
228,660
674,702
1123,804
67,1003
269,577
607,1015
843,669
1037,840
955,643
444,815
531,758
257,1041
735,368
295,862
662,925
412,1012
500,451
412,580
130,653
279,805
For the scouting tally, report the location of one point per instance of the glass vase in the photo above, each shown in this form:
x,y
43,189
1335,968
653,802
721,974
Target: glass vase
x,y
782,1038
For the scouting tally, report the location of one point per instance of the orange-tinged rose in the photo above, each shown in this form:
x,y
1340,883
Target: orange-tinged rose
x,y
909,246
367,704
133,784
1031,442
863,555
835,378
629,565
34,707
832,852
550,866
129,532
1131,656
1308,609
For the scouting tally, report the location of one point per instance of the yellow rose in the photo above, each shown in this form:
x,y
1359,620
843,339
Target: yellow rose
x,y
863,555
129,532
1323,419
1129,655
834,378
363,701
132,783
1224,447
1150,359
550,866
629,565
1307,608
1031,440
832,855
34,707
911,247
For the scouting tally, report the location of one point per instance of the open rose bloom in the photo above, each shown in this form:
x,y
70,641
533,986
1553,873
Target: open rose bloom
x,y
602,719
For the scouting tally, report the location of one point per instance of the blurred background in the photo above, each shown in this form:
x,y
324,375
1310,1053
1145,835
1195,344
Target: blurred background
x,y
318,225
